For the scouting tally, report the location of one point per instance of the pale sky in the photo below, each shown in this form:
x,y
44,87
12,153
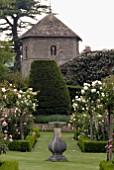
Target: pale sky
x,y
92,20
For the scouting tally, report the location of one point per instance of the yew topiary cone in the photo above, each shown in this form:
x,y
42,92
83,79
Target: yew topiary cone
x,y
54,97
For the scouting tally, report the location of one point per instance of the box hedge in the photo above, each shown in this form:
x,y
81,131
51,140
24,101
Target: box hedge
x,y
86,145
106,165
54,98
8,165
27,144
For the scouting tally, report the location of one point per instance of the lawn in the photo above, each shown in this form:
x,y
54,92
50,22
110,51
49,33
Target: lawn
x,y
37,159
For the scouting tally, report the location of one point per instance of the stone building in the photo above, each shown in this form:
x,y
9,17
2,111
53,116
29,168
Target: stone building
x,y
49,39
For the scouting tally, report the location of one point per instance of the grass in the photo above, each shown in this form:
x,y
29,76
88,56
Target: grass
x,y
37,159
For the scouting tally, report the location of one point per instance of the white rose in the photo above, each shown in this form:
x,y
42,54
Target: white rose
x,y
82,91
3,89
93,90
19,96
103,95
15,90
87,84
76,97
85,88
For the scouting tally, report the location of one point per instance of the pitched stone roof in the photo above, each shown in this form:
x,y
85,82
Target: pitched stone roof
x,y
50,26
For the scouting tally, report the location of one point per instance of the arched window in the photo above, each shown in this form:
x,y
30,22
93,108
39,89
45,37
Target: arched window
x,y
53,50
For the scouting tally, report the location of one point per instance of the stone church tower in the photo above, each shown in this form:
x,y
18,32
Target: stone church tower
x,y
49,39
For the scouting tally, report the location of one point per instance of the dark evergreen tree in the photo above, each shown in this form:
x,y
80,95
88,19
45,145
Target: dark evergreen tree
x,y
91,66
54,98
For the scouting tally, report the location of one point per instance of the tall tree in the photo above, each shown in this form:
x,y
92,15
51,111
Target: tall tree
x,y
6,57
11,16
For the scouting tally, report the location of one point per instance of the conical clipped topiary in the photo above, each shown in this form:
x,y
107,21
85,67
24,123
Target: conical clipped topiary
x,y
54,97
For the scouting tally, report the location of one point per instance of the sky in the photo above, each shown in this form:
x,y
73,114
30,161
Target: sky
x,y
92,20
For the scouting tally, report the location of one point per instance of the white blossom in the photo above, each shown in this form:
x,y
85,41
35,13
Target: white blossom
x,y
87,84
103,95
82,91
20,91
15,90
93,90
96,82
19,96
76,97
3,89
85,87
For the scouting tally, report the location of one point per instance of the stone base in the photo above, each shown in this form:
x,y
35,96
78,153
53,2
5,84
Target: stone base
x,y
56,158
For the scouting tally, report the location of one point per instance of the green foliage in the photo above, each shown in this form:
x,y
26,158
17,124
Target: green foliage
x,y
73,90
106,165
17,80
6,56
8,165
3,145
27,144
6,52
45,76
36,160
87,145
92,66
51,118
88,102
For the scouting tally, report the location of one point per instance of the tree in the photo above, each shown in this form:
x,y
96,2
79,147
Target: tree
x,y
88,102
108,101
6,56
95,99
54,98
91,66
11,16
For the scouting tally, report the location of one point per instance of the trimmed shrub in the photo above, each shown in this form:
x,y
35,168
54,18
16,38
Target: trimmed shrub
x,y
27,144
8,165
54,98
51,118
86,145
106,165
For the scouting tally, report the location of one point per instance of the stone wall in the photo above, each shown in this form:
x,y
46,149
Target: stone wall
x,y
40,49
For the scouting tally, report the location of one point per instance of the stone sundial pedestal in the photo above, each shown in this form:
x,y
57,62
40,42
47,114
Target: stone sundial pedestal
x,y
57,146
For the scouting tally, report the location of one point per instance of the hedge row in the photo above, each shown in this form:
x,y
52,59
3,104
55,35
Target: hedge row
x,y
27,144
51,118
8,165
87,145
106,165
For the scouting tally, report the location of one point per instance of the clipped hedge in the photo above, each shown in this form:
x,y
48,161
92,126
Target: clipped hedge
x,y
86,145
27,144
54,98
8,165
106,165
51,118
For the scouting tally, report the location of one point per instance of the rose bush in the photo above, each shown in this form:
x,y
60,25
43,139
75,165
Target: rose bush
x,y
88,102
16,107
